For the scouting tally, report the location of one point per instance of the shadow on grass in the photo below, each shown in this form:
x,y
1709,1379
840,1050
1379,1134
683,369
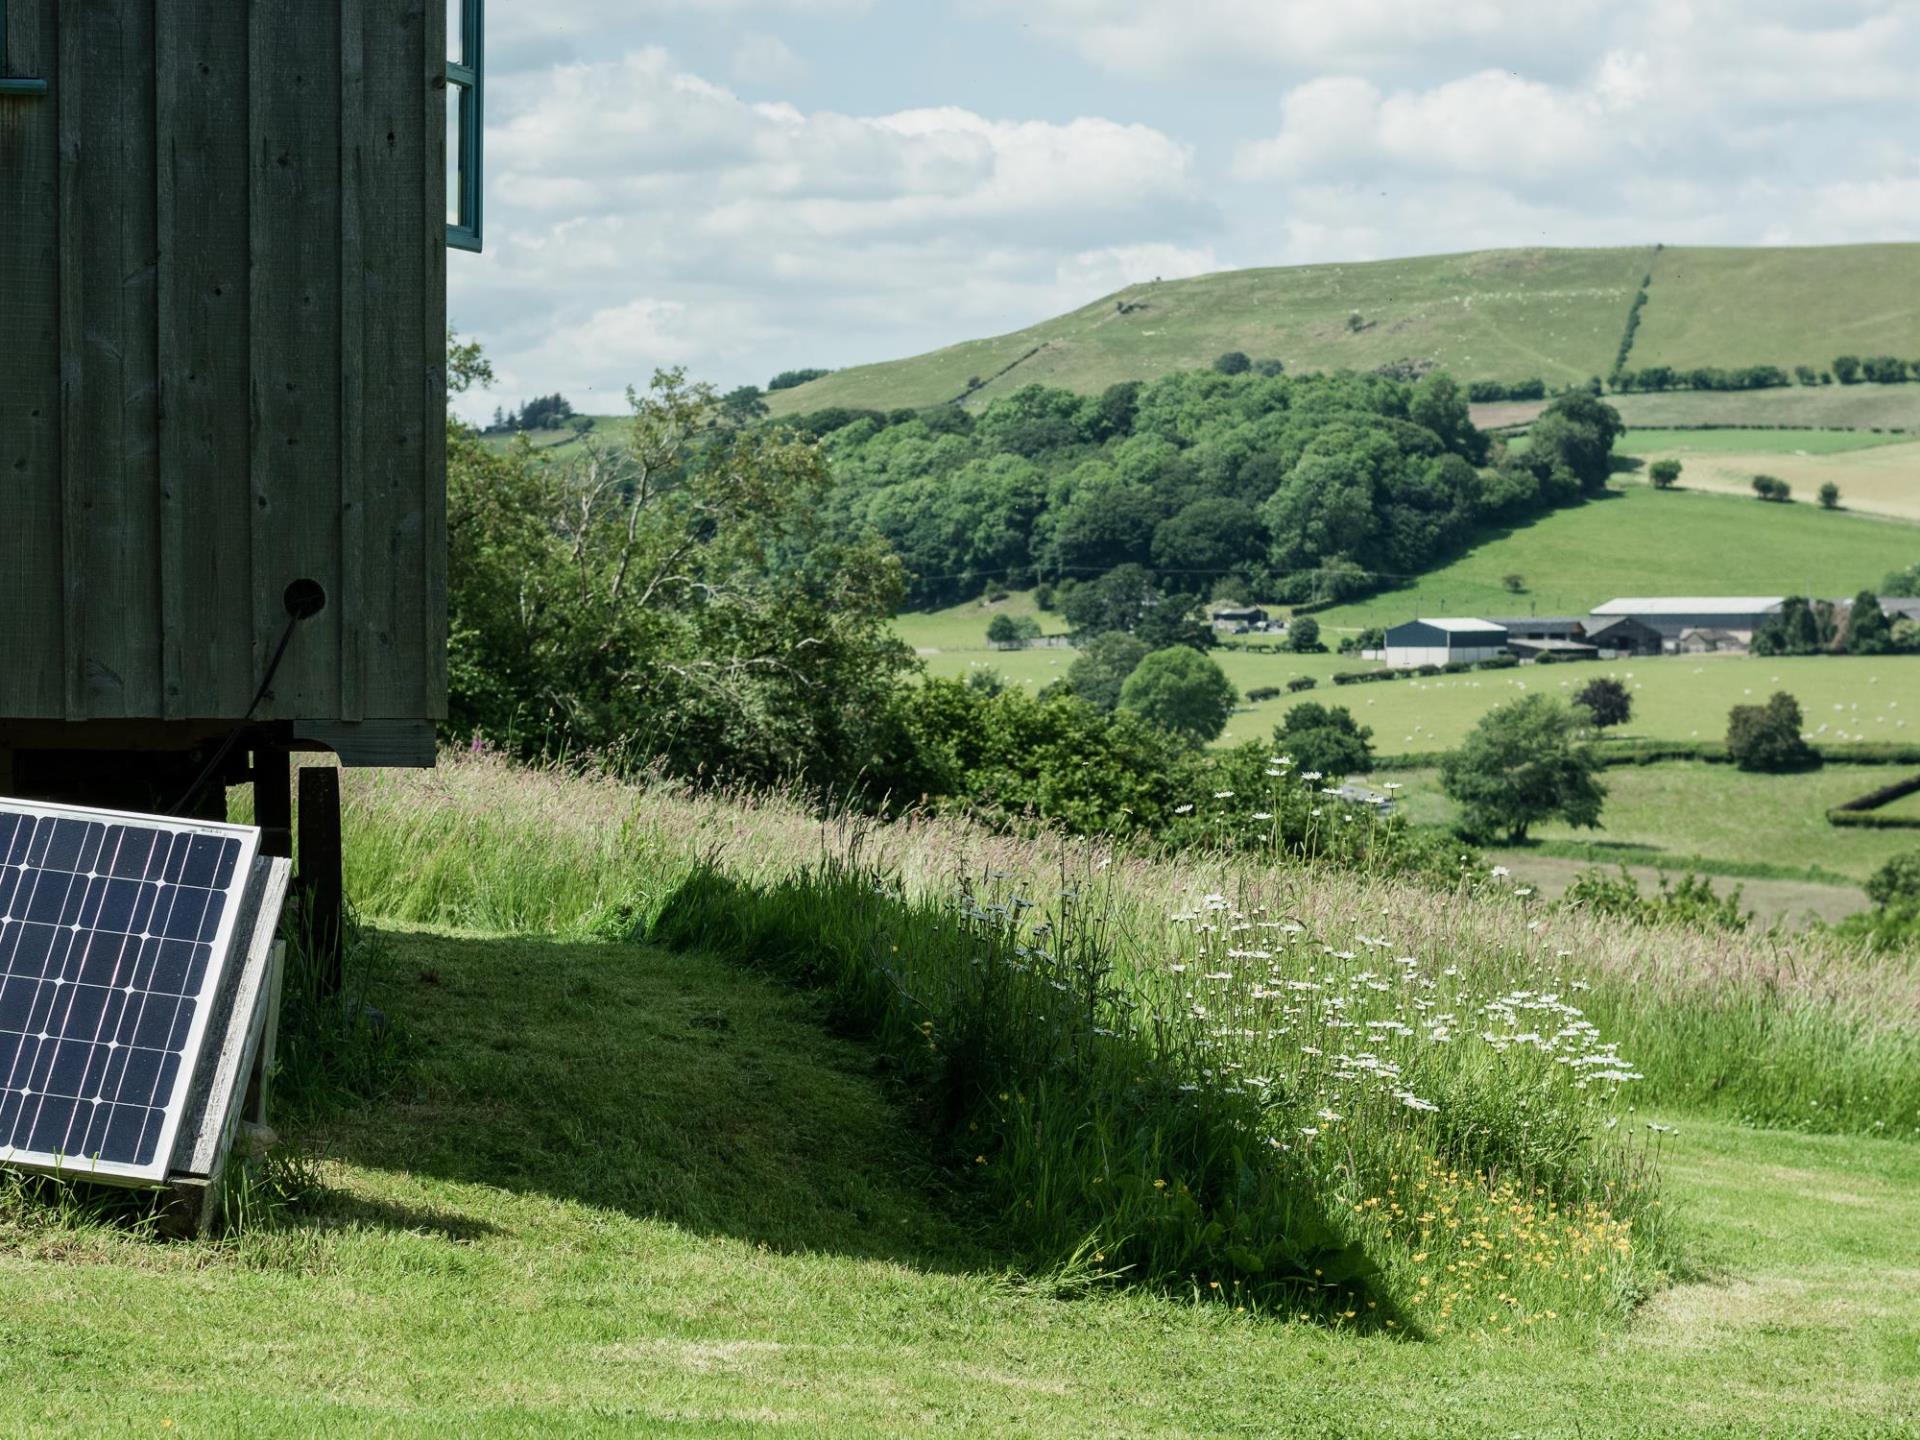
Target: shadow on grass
x,y
670,1087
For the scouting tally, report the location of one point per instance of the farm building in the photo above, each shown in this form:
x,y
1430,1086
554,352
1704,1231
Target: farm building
x,y
1542,627
1624,636
1900,607
1443,642
1536,649
1672,614
223,251
1239,618
1704,640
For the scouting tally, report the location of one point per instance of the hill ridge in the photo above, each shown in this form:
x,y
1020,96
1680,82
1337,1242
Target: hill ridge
x,y
1508,314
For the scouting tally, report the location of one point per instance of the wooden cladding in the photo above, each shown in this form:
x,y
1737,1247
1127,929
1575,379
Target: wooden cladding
x,y
222,358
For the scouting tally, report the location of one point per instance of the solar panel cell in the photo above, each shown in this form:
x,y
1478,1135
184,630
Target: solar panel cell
x,y
113,935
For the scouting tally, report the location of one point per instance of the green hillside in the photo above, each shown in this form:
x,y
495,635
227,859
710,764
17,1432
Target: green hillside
x,y
1493,314
1640,541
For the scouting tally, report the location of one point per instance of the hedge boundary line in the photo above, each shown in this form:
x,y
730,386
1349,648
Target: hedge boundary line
x,y
1613,753
1857,812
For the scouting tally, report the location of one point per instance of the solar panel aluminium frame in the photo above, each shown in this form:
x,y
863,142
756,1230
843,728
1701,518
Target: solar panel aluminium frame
x,y
219,956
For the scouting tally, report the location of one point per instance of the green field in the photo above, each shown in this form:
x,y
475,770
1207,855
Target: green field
x,y
1779,305
628,1191
1680,811
1834,407
1501,314
1676,697
1651,442
639,1193
1640,542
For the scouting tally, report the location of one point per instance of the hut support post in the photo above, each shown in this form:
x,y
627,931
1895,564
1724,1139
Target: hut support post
x,y
320,877
273,800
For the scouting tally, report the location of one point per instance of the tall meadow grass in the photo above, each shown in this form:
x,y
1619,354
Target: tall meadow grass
x,y
1278,1084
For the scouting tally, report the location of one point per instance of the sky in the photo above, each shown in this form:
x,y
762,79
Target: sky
x,y
747,186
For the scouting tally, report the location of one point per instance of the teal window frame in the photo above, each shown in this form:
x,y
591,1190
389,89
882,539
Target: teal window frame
x,y
10,85
468,76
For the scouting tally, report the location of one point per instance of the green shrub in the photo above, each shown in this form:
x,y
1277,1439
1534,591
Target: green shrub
x,y
1768,737
1302,682
1897,882
1691,901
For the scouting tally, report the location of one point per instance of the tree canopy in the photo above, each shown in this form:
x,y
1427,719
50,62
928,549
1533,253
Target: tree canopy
x,y
1325,738
1182,692
1290,488
1524,763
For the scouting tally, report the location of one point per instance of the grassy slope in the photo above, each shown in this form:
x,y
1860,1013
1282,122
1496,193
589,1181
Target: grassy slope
x,y
647,1194
1780,306
1840,407
1638,542
1503,314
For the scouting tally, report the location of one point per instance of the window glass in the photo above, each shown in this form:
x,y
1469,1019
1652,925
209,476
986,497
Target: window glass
x,y
454,93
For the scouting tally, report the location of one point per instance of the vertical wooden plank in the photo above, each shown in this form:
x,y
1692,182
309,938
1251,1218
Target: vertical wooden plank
x,y
396,416
69,92
169,54
206,496
353,293
136,630
433,498
294,319
32,599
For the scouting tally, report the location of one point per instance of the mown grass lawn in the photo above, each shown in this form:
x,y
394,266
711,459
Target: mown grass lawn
x,y
633,1193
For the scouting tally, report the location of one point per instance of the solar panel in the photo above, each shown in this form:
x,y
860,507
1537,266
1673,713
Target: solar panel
x,y
114,935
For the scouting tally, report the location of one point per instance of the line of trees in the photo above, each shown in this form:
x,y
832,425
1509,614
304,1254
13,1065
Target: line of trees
x,y
1269,487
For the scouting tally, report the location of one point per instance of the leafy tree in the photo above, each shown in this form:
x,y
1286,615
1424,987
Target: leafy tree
x,y
1181,691
1576,433
1523,764
788,379
1846,369
1177,620
1438,404
1829,496
1116,600
1664,474
1607,700
743,406
673,597
1325,738
1869,632
1773,488
1101,669
1207,538
1798,629
1303,635
1269,368
1767,737
1806,375
1234,362
1012,631
1515,583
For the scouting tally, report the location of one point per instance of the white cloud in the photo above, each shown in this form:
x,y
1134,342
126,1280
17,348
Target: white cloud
x,y
640,216
1490,124
761,59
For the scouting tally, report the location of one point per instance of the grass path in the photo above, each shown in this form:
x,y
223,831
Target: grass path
x,y
634,1193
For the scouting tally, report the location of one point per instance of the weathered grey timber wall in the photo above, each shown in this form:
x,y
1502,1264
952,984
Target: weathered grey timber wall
x,y
222,358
